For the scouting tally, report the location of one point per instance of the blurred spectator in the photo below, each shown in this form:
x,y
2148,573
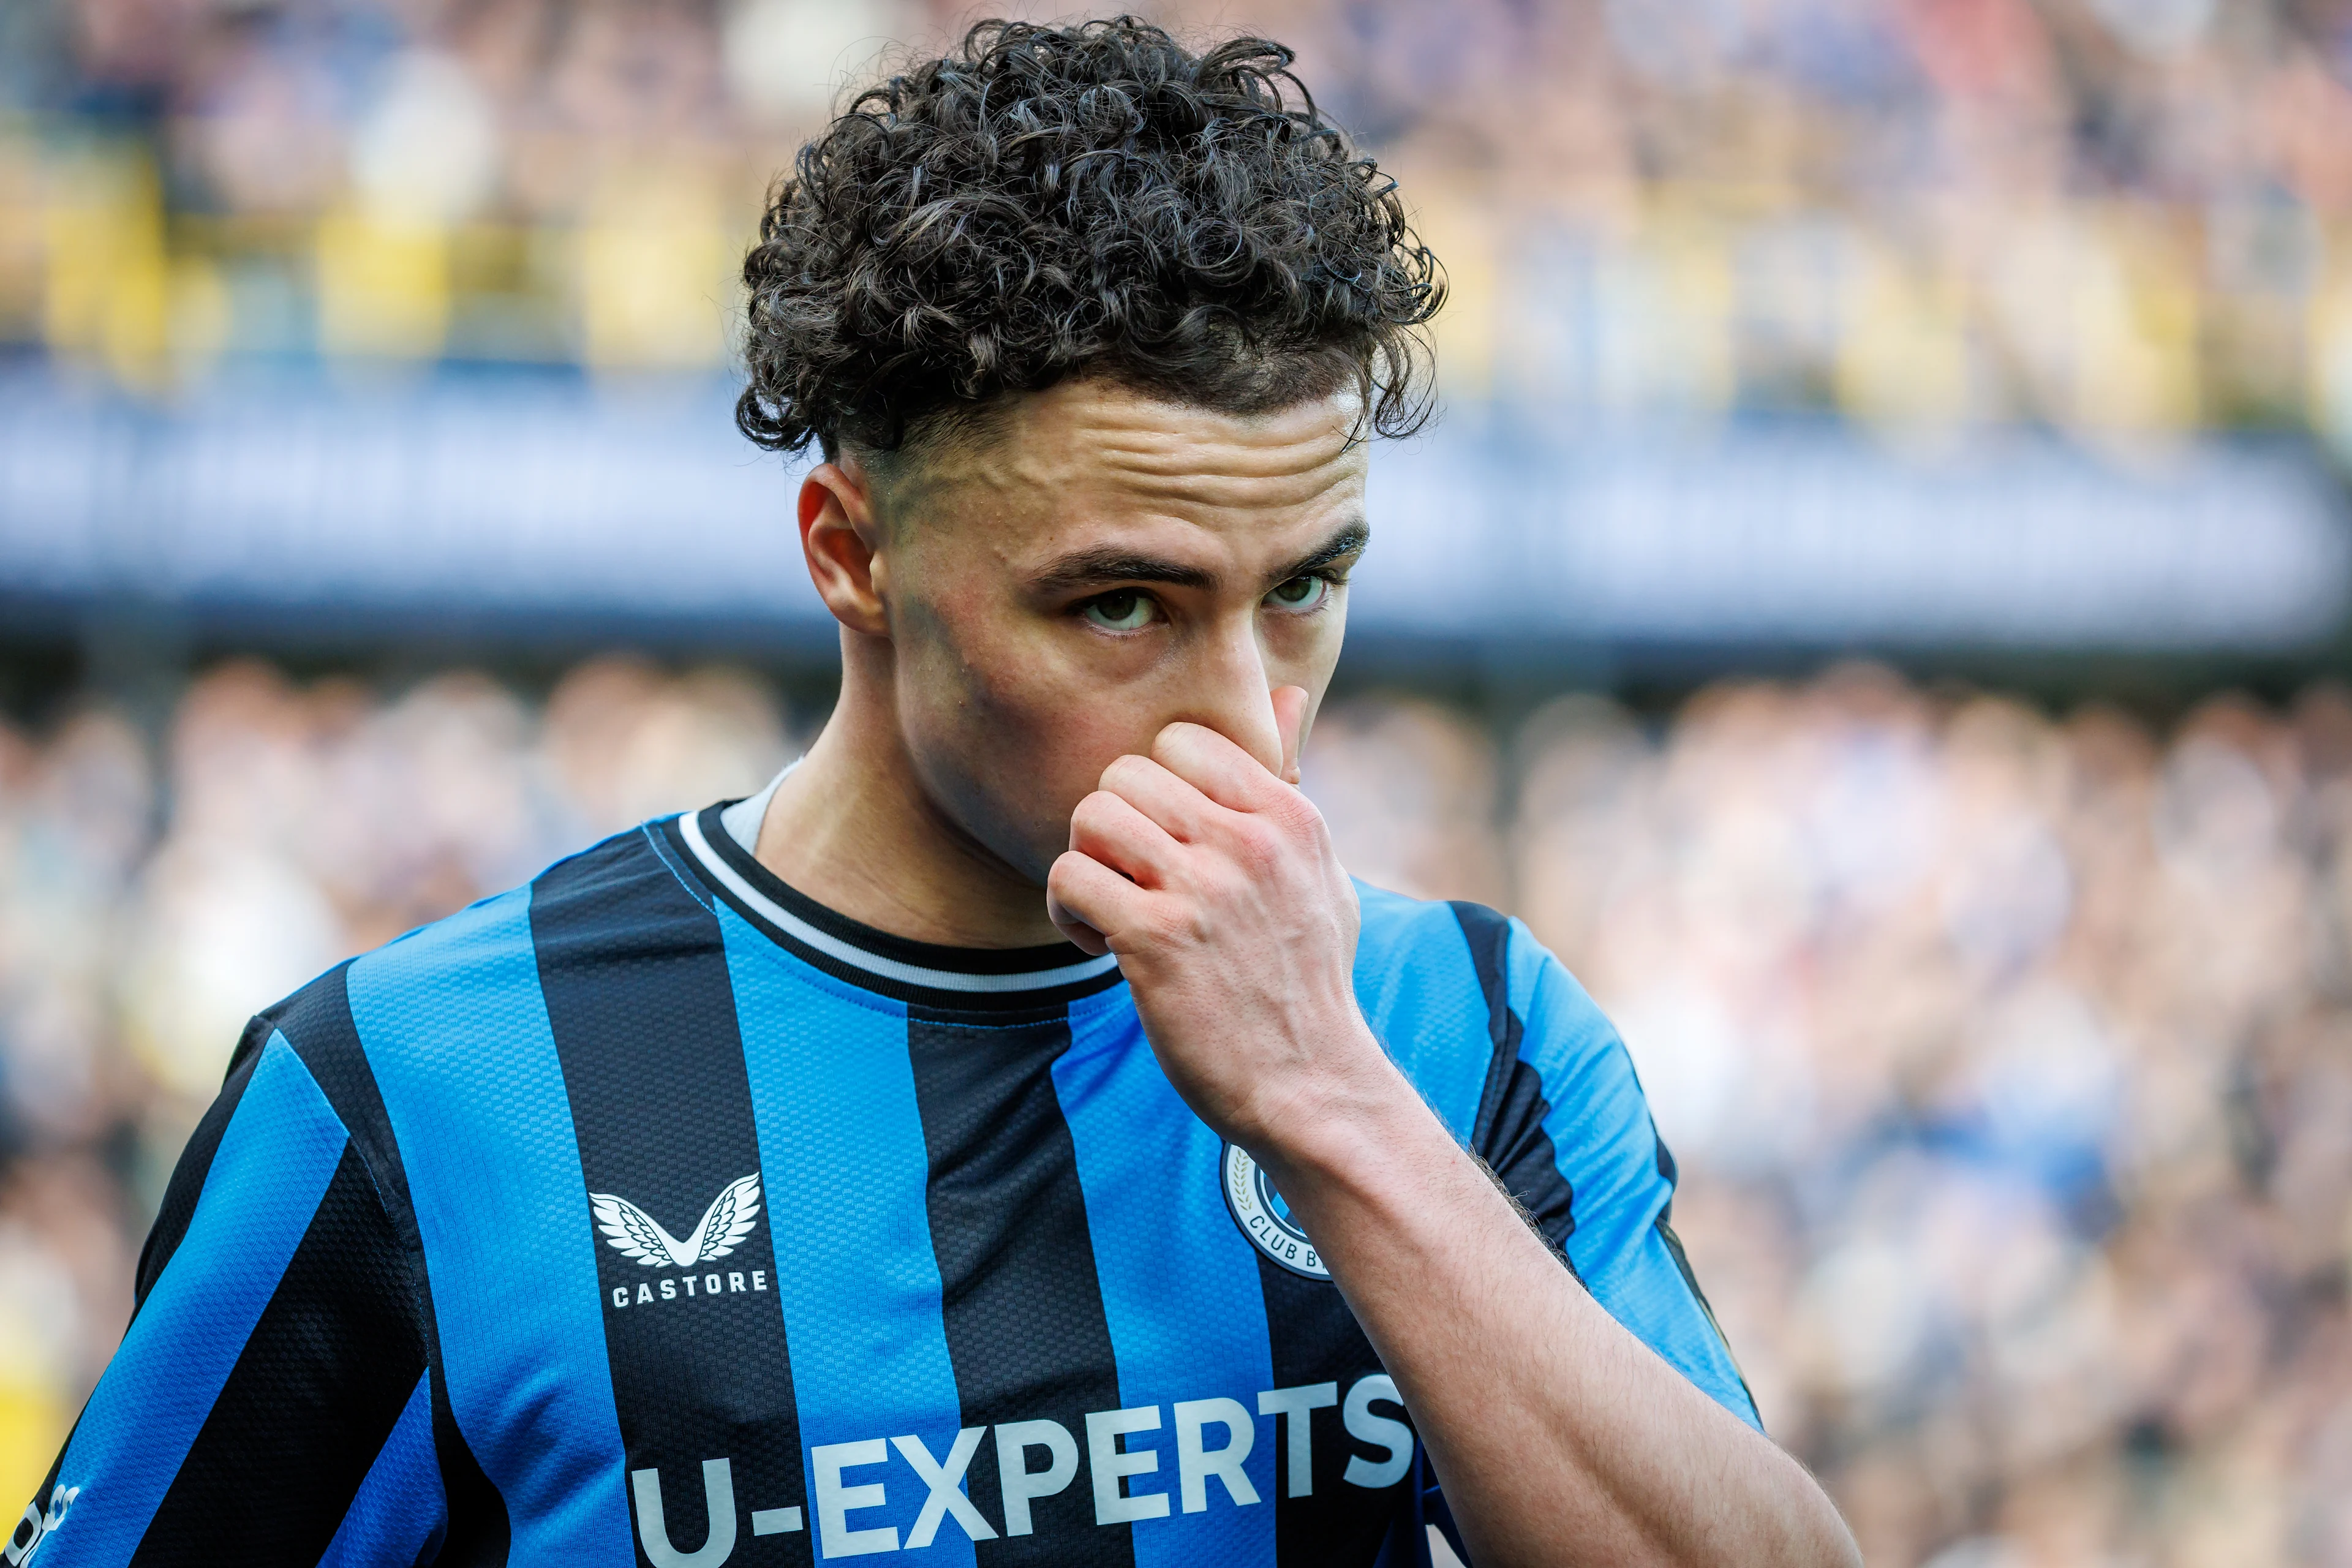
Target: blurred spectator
x,y
1410,788
2127,219
1971,1031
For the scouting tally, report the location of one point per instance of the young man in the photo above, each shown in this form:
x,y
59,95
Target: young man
x,y
1009,1136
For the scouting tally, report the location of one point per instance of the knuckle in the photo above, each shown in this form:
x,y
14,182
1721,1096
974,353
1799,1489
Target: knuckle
x,y
1174,922
1295,813
1180,746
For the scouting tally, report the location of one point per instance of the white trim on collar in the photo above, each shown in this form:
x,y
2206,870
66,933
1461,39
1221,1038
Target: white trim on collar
x,y
743,818
874,963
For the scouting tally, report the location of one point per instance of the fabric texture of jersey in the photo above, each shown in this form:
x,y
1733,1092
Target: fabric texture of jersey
x,y
653,1214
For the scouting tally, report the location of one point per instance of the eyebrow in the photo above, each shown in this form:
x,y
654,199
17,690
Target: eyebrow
x,y
1339,547
1081,568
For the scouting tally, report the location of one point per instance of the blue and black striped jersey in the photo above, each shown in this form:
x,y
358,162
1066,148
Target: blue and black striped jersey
x,y
653,1214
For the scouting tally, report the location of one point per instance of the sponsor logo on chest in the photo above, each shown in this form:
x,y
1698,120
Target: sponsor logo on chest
x,y
724,1226
856,1487
853,1483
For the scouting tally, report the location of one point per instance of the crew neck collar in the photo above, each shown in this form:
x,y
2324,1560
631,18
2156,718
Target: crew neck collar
x,y
926,973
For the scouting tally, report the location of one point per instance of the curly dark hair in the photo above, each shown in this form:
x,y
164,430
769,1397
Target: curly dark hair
x,y
1045,202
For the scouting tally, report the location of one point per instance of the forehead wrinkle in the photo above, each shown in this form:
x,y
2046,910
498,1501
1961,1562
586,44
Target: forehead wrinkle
x,y
1183,491
1270,471
1132,449
1226,476
1165,459
1191,495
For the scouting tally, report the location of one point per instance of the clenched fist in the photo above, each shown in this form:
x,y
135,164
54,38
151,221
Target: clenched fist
x,y
1216,883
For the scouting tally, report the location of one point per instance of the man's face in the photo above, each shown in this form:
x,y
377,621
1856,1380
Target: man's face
x,y
1100,566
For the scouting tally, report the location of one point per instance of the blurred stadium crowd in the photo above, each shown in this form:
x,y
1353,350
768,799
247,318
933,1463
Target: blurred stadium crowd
x,y
2007,1057
2125,218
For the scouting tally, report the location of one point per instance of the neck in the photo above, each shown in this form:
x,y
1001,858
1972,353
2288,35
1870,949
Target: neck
x,y
854,828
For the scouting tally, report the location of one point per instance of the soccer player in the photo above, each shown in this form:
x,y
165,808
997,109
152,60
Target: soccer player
x,y
1009,1136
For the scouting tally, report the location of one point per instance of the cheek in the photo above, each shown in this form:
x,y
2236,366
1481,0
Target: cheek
x,y
1005,730
965,675
1037,722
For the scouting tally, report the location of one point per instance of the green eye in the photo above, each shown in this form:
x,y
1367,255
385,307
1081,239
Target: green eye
x,y
1300,593
1126,610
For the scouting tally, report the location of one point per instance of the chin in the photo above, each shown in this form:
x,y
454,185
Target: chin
x,y
1033,862
1011,833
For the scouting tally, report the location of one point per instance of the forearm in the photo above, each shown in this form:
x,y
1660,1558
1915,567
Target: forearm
x,y
1559,1437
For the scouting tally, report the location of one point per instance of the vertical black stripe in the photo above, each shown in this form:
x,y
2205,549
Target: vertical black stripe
x,y
635,973
1314,1339
1509,1132
1022,1305
187,1184
1489,936
318,1387
317,1021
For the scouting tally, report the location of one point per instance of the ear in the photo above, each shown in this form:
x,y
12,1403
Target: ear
x,y
842,544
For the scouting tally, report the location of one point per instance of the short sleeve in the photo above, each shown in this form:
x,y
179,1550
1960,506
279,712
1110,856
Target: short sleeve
x,y
1563,1125
268,1401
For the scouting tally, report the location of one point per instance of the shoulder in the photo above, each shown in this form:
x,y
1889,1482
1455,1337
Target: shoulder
x,y
1395,925
1458,991
1466,956
1510,1049
595,903
456,1006
1415,969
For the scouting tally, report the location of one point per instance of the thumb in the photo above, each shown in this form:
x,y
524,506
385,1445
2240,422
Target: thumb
x,y
1290,720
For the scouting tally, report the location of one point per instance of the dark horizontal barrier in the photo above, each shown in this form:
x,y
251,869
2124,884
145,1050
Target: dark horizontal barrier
x,y
535,506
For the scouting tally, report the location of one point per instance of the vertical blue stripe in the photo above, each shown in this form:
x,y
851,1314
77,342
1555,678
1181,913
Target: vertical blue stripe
x,y
1525,961
1180,1282
844,1168
399,1505
275,1160
1420,992
456,1032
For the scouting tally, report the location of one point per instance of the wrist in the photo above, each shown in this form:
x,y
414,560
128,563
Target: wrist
x,y
1345,1129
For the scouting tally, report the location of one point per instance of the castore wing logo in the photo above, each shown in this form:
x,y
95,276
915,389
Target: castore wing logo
x,y
725,1223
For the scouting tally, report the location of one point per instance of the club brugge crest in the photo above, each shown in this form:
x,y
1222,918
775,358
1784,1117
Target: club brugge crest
x,y
1265,1218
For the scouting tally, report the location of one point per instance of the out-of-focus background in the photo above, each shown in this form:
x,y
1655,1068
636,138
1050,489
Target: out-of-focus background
x,y
1875,603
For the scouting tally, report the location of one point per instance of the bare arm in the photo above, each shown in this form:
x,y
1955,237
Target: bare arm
x,y
1559,1437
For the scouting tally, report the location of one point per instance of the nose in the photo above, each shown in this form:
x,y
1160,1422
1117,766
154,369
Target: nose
x,y
1232,691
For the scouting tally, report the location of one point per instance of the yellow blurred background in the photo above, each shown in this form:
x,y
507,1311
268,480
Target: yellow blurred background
x,y
2128,218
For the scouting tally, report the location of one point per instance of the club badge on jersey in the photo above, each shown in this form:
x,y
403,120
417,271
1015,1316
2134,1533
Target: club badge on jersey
x,y
1258,1209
